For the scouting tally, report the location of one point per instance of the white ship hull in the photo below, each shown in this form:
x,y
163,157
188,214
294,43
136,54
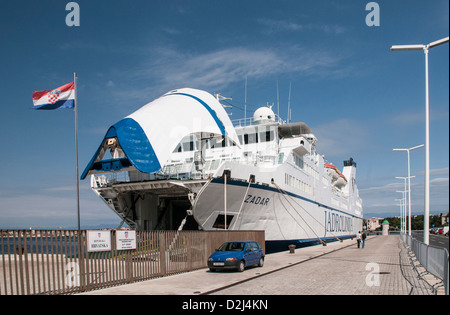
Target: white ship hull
x,y
283,216
286,215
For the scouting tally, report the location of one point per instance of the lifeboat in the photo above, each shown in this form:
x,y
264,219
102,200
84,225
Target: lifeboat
x,y
338,180
333,171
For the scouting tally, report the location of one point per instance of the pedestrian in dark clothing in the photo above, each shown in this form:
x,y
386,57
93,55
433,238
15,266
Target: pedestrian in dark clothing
x,y
363,238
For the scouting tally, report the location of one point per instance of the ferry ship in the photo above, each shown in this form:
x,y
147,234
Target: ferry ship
x,y
179,162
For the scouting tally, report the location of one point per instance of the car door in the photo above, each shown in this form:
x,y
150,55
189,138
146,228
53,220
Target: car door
x,y
248,254
257,252
252,253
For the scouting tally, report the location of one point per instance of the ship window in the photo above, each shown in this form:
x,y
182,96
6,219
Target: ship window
x,y
218,143
298,161
267,136
178,148
188,146
240,139
220,221
250,138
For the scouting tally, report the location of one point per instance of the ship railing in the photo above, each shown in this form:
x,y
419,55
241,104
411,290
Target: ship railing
x,y
244,122
181,172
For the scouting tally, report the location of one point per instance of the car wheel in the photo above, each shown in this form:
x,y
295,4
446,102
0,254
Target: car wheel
x,y
261,262
241,266
212,269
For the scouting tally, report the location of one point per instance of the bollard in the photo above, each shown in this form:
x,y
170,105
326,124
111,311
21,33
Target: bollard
x,y
291,249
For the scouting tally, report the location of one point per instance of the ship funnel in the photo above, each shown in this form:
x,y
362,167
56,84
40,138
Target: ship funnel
x,y
349,172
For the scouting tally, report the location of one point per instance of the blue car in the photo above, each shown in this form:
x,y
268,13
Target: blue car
x,y
236,255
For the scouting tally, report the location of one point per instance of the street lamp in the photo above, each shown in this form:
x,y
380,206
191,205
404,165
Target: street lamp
x,y
425,48
409,183
403,213
400,204
404,196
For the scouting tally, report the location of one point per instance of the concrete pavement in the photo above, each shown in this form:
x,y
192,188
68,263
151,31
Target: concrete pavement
x,y
381,268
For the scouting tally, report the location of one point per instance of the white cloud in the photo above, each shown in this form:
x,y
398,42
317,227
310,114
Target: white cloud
x,y
435,172
414,117
382,198
331,137
168,68
274,26
384,188
280,25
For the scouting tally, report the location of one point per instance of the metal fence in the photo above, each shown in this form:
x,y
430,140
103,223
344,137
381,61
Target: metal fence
x,y
434,259
58,261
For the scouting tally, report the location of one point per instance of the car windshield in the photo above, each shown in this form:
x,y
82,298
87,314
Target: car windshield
x,y
232,246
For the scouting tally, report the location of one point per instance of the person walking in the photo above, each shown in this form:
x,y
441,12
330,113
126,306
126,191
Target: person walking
x,y
358,238
363,238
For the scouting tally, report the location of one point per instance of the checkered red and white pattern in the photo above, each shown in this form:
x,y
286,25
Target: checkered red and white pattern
x,y
53,96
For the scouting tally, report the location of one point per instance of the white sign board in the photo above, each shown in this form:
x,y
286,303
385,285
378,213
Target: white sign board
x,y
98,241
125,240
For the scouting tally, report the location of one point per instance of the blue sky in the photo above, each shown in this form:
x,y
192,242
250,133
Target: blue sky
x,y
360,99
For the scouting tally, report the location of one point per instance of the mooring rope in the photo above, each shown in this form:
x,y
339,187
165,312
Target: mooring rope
x,y
284,193
242,204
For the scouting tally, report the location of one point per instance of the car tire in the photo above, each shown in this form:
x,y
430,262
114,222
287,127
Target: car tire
x,y
212,269
261,262
241,266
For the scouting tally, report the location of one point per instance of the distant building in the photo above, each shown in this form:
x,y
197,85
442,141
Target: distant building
x,y
444,219
385,227
373,223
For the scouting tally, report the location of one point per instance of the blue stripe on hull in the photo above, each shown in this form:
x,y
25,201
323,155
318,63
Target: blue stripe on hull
x,y
264,187
274,246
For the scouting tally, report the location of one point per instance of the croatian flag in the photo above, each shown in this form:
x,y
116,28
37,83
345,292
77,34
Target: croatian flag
x,y
62,97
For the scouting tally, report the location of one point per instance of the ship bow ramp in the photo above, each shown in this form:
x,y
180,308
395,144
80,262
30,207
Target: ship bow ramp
x,y
132,180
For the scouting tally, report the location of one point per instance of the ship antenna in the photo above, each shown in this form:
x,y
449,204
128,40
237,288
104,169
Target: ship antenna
x,y
278,102
289,103
245,102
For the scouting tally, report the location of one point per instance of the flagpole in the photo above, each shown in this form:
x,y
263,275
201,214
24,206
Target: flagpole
x,y
79,235
76,147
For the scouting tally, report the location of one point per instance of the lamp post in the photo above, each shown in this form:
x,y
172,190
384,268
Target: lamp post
x,y
400,204
403,214
425,48
409,183
404,197
409,203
